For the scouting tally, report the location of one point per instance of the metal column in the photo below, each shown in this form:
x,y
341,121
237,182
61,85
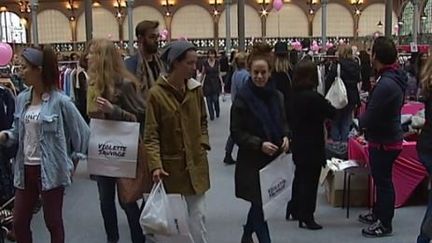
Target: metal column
x,y
241,25
388,18
416,20
130,4
89,19
324,23
35,34
228,25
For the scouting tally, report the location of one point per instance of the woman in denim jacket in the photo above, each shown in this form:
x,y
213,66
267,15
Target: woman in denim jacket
x,y
46,126
113,95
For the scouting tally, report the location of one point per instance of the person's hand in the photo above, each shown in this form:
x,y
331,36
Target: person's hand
x,y
158,174
269,148
3,137
285,145
104,105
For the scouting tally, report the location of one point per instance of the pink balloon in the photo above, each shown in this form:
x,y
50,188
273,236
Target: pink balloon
x,y
6,54
163,37
277,4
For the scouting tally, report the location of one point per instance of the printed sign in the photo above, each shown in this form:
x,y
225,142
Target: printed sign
x,y
113,148
276,183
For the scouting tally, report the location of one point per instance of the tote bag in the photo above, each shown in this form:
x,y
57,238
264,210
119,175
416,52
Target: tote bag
x,y
337,94
113,148
276,185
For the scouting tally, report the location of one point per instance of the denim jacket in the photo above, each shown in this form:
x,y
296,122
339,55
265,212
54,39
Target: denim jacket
x,y
63,139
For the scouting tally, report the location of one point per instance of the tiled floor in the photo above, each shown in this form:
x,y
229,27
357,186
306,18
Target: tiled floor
x,y
226,214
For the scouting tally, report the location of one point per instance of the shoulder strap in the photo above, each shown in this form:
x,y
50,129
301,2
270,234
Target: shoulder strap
x,y
338,71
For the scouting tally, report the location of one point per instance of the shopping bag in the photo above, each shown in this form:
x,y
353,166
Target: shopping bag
x,y
178,227
154,218
131,189
337,94
113,148
276,185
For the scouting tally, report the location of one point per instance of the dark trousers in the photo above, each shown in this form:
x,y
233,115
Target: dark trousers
x,y
106,187
426,159
305,189
26,199
255,223
381,163
229,147
213,105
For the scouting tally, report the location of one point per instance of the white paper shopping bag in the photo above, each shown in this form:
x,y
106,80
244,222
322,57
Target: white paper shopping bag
x,y
113,148
276,184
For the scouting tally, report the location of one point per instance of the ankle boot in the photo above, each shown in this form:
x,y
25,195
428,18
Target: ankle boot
x,y
247,235
291,214
228,159
309,224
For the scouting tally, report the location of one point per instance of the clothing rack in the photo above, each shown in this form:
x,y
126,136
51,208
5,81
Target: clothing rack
x,y
68,62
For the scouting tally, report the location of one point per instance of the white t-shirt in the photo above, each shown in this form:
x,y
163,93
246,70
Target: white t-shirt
x,y
32,123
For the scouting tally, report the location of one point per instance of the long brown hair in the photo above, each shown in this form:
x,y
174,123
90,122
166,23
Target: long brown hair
x,y
107,68
426,78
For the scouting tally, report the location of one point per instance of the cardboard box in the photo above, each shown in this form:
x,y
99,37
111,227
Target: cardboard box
x,y
333,183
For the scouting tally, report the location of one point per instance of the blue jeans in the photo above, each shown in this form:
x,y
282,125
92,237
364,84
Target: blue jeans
x,y
426,160
213,105
381,163
255,223
106,188
340,125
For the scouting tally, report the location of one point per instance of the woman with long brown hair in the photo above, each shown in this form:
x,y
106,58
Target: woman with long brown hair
x,y
424,145
113,95
259,128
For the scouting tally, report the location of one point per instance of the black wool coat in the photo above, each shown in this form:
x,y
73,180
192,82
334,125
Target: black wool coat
x,y
250,158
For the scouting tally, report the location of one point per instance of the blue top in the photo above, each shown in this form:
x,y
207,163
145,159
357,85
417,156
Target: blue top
x,y
64,138
238,80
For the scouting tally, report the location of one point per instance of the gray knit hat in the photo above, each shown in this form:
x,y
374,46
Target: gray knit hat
x,y
174,50
33,56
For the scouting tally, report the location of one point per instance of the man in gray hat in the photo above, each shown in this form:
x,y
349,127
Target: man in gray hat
x,y
176,136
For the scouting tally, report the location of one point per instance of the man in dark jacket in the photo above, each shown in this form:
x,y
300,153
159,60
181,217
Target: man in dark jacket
x,y
146,64
382,126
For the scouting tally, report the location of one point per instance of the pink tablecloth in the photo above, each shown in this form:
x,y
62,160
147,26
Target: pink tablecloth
x,y
411,107
408,172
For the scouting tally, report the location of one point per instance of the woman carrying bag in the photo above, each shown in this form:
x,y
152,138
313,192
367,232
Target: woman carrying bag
x,y
113,95
259,128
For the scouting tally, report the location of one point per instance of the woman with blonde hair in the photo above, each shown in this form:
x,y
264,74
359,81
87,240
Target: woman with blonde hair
x,y
350,74
113,95
424,146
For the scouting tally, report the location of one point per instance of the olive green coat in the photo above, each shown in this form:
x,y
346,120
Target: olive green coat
x,y
176,136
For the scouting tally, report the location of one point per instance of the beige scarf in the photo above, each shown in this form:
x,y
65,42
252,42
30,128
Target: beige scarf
x,y
145,73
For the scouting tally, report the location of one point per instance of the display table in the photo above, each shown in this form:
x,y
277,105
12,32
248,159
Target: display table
x,y
408,172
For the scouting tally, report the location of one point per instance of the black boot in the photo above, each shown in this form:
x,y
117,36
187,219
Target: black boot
x,y
228,159
291,213
247,235
309,224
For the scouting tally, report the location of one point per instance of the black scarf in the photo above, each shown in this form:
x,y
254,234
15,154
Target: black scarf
x,y
265,105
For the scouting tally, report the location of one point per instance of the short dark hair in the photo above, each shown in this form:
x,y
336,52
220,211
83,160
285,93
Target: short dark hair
x,y
305,75
384,50
144,26
212,51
